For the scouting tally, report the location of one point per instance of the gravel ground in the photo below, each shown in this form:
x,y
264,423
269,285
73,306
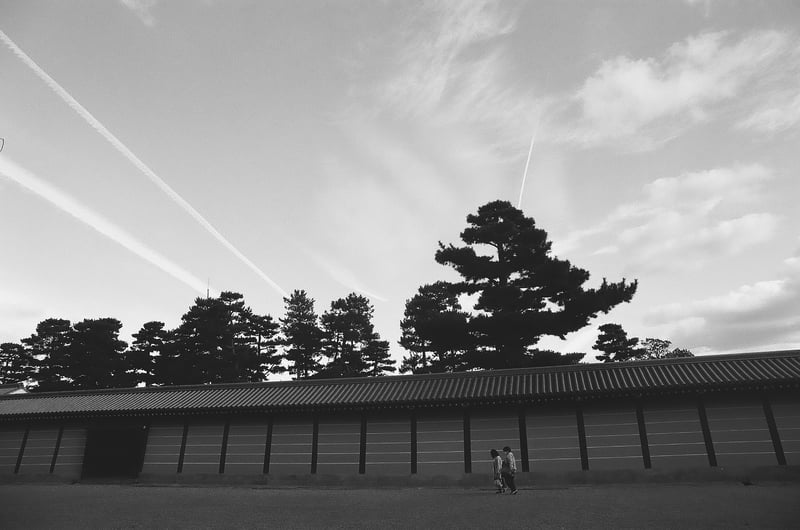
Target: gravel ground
x,y
641,506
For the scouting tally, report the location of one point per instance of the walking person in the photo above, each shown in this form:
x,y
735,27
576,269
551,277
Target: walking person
x,y
497,466
508,469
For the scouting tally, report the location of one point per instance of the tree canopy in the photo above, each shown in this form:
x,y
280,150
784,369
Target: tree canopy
x,y
523,291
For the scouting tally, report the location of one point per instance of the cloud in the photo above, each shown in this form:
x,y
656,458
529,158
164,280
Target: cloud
x,y
760,315
142,9
682,222
660,97
781,114
73,207
447,66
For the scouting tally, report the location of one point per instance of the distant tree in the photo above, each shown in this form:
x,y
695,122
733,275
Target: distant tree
x,y
660,349
679,353
347,329
264,332
524,292
554,358
97,355
145,352
302,336
377,357
435,330
16,364
214,343
49,346
350,343
613,341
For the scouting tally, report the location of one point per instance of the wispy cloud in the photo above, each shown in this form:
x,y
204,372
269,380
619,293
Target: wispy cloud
x,y
648,100
781,114
681,222
73,207
131,157
761,314
447,66
143,9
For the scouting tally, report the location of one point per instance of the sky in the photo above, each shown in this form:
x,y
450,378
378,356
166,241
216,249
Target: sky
x,y
155,150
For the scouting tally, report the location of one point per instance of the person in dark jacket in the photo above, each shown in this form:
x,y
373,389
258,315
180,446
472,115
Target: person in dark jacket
x,y
509,469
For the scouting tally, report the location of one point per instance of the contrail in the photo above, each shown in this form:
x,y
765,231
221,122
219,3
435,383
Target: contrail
x,y
67,204
127,153
525,173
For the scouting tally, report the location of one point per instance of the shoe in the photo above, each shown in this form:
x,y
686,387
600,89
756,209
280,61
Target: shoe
x,y
514,492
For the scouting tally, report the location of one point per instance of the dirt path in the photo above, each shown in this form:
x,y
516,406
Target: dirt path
x,y
708,505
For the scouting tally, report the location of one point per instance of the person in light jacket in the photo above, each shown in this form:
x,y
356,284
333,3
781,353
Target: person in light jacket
x,y
497,466
508,469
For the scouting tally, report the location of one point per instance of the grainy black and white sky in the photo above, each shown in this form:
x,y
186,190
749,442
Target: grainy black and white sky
x,y
155,147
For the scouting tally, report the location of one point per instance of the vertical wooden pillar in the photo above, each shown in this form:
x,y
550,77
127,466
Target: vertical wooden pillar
x,y
413,441
223,452
362,446
315,445
268,445
582,438
22,449
701,411
182,454
643,436
523,440
467,443
773,432
145,441
56,448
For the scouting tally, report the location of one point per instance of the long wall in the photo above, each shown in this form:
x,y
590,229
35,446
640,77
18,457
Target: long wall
x,y
664,434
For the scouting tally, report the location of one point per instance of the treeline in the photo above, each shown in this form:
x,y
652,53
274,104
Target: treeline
x,y
512,292
219,340
615,346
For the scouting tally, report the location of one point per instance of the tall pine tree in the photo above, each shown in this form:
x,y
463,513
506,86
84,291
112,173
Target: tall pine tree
x,y
50,349
302,336
16,364
524,292
435,331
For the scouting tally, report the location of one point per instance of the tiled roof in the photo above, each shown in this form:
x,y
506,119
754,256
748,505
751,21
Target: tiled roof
x,y
773,370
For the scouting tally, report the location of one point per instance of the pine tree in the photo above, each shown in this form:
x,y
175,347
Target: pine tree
x,y
613,341
302,336
435,331
16,364
97,355
146,351
213,344
347,329
523,291
377,358
263,332
50,349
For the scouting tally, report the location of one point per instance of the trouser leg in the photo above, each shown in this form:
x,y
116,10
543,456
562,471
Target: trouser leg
x,y
509,481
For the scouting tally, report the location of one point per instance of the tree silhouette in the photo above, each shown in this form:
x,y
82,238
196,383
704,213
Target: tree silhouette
x,y
613,341
145,354
435,331
523,291
97,355
49,346
302,336
16,364
348,334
